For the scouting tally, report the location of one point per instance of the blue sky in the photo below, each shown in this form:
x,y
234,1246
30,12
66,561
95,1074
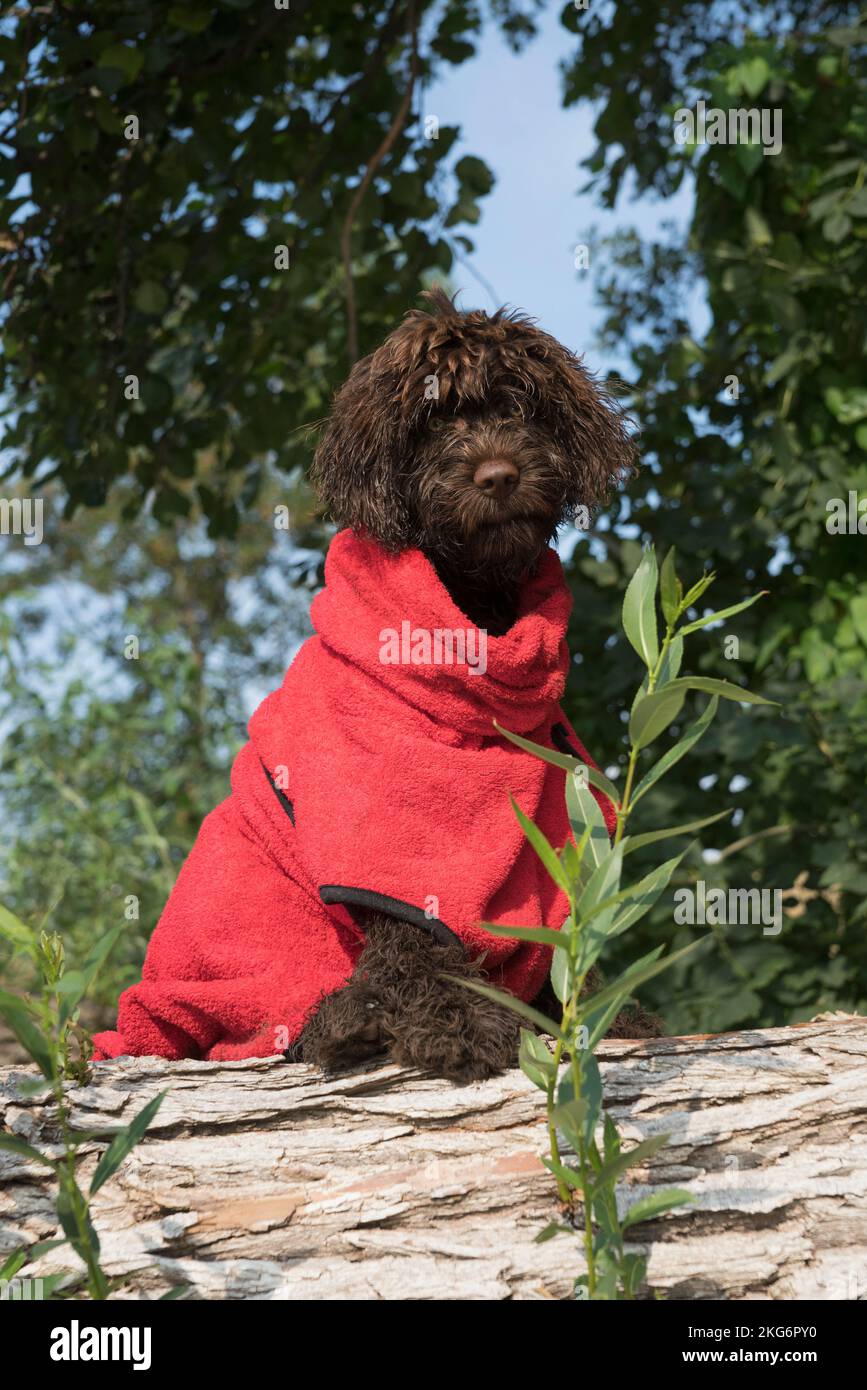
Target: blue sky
x,y
509,109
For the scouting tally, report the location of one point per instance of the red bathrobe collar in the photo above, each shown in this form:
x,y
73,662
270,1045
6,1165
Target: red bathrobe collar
x,y
370,592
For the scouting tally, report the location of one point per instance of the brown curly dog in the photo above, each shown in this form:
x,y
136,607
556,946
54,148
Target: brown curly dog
x,y
471,438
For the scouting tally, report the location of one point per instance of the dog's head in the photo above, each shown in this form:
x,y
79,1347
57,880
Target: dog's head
x,y
472,437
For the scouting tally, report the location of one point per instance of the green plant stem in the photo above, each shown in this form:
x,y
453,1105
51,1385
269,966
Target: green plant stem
x,y
97,1284
588,1223
624,808
563,1191
570,1025
582,1155
653,676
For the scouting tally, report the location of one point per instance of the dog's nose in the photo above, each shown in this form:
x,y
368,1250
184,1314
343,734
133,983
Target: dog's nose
x,y
497,478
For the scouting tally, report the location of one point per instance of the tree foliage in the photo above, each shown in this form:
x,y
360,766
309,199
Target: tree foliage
x,y
175,185
748,432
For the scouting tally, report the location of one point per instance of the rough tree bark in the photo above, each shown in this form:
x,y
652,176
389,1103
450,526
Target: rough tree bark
x,y
264,1180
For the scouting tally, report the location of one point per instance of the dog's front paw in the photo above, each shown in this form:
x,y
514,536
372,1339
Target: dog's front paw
x,y
346,1028
456,1033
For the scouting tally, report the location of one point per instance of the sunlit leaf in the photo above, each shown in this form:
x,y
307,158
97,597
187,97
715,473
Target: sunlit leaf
x,y
124,1142
646,1208
650,837
639,610
545,851
674,755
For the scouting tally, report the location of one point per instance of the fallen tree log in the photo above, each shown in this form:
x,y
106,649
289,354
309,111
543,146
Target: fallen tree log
x,y
264,1180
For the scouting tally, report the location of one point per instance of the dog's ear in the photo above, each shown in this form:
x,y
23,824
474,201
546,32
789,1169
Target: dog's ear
x,y
359,469
356,465
590,427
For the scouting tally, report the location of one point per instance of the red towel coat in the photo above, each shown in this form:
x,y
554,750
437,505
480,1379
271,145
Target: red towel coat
x,y
373,777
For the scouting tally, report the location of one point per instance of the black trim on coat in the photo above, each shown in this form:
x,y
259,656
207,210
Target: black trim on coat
x,y
561,741
392,907
281,795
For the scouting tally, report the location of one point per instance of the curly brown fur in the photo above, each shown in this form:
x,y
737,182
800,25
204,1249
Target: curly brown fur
x,y
400,1004
446,391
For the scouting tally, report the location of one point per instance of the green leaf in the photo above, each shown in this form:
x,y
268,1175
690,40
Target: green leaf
x,y
572,859
82,1242
32,1085
474,174
858,613
12,1264
548,755
122,1144
75,985
569,1114
639,610
758,231
22,937
566,1175
752,76
543,848
674,755
587,1106
584,812
64,1281
718,687
542,936
668,670
598,1020
644,970
28,1033
554,1228
603,886
722,613
640,899
193,21
625,894
42,1247
847,404
151,298
836,227
561,974
670,664
509,1001
129,61
668,588
576,861
610,1138
24,1150
603,882
653,713
782,366
633,1271
612,1171
633,842
535,1060
658,1202
570,764
699,587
